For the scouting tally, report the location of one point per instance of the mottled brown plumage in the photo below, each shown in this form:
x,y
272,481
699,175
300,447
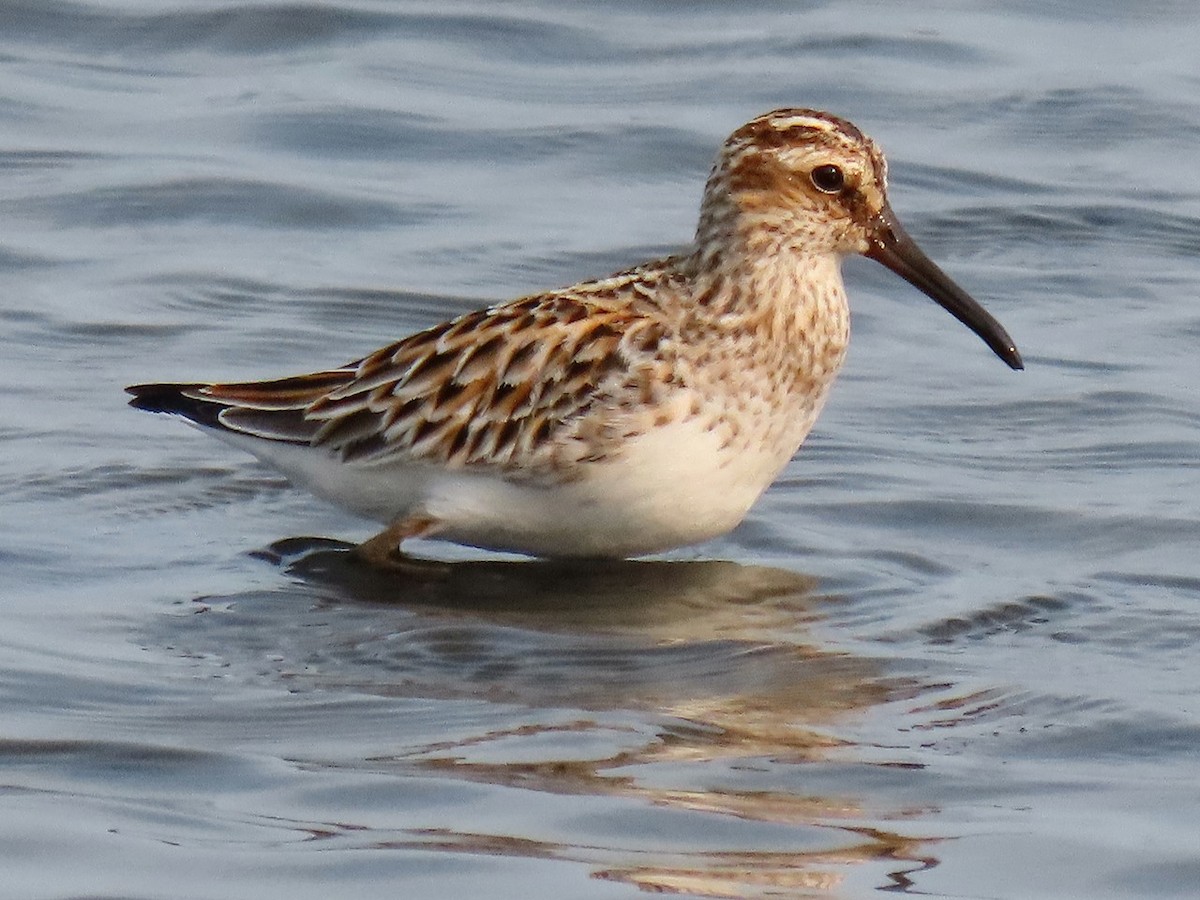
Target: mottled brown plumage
x,y
618,416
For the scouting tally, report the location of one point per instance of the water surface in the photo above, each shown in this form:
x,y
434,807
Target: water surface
x,y
951,652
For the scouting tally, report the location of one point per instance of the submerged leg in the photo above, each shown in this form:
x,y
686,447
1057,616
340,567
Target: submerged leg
x,y
383,550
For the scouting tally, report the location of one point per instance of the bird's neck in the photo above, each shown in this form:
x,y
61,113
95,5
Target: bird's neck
x,y
779,324
768,280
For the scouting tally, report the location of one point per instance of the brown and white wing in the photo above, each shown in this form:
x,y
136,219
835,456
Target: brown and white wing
x,y
497,388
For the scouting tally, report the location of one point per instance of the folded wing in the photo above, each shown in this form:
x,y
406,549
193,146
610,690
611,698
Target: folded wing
x,y
493,388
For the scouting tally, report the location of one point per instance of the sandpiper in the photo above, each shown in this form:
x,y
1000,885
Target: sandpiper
x,y
617,417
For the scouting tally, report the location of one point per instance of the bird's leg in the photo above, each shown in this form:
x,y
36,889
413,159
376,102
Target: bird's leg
x,y
383,550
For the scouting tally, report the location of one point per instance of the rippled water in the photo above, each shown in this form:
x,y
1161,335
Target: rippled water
x,y
952,652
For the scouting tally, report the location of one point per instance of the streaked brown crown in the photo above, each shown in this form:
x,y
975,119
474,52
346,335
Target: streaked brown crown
x,y
764,181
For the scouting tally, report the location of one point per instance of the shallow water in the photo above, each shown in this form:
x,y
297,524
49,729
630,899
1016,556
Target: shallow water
x,y
951,652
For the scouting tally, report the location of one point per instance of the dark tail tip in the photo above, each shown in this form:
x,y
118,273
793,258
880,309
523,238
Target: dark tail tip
x,y
175,399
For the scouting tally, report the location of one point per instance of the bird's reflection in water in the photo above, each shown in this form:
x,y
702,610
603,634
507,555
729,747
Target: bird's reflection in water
x,y
704,665
695,639
556,594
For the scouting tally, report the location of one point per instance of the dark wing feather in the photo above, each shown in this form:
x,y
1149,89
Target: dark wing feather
x,y
492,388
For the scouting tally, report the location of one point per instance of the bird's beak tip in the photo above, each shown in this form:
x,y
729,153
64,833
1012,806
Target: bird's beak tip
x,y
891,246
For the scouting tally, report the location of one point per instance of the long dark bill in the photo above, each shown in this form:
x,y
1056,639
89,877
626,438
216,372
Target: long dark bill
x,y
892,246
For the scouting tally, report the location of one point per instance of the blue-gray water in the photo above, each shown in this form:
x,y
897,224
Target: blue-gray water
x,y
951,652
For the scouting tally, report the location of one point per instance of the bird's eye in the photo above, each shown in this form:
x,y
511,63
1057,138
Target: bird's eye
x,y
828,179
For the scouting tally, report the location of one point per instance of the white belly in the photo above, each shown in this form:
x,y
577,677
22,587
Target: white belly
x,y
674,485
